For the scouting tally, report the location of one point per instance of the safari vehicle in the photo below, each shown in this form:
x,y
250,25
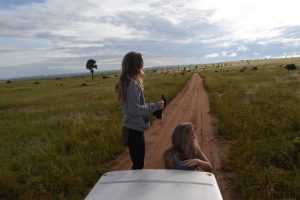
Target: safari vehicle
x,y
155,184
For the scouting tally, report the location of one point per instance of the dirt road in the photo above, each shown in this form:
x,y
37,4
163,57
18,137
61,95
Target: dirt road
x,y
190,105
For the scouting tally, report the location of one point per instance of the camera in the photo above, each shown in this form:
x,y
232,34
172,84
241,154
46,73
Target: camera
x,y
159,113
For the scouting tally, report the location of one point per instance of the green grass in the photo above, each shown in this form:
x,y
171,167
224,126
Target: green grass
x,y
259,110
56,137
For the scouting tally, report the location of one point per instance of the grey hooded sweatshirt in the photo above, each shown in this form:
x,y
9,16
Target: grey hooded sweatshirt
x,y
135,109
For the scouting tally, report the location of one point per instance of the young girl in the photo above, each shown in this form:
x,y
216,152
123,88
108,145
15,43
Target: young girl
x,y
131,96
185,153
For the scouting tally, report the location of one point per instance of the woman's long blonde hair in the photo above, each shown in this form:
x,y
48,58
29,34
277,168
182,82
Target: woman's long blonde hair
x,y
180,147
132,68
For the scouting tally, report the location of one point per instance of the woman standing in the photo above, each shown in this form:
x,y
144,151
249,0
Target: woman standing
x,y
131,96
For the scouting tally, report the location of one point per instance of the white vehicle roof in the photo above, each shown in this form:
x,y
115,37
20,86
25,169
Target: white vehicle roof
x,y
156,185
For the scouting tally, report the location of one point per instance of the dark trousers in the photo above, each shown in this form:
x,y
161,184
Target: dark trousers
x,y
136,145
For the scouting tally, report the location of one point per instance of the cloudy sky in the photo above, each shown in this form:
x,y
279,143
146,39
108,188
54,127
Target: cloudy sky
x,y
43,37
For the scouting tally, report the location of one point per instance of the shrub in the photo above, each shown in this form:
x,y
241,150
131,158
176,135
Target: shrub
x,y
104,77
254,68
83,84
290,66
36,83
8,81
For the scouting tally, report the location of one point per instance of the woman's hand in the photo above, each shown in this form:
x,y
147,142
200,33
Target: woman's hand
x,y
204,165
190,162
161,104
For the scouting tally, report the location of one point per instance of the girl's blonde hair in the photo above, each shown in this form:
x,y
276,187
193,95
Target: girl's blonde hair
x,y
180,147
132,68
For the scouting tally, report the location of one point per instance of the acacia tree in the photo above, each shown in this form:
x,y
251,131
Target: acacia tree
x,y
91,64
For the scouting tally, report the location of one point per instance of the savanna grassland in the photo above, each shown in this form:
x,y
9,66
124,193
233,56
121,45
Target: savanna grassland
x,y
258,107
57,136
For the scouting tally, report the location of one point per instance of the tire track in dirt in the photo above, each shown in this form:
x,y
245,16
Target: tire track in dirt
x,y
190,105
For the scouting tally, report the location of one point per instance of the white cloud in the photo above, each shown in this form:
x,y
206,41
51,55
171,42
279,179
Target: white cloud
x,y
224,54
241,48
289,55
166,31
212,55
228,54
254,20
267,57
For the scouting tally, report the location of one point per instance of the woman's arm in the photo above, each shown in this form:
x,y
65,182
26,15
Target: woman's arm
x,y
133,102
169,159
201,162
204,165
204,162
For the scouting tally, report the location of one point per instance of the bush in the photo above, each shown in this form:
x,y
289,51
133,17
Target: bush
x,y
8,81
290,66
36,83
83,84
104,77
254,68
